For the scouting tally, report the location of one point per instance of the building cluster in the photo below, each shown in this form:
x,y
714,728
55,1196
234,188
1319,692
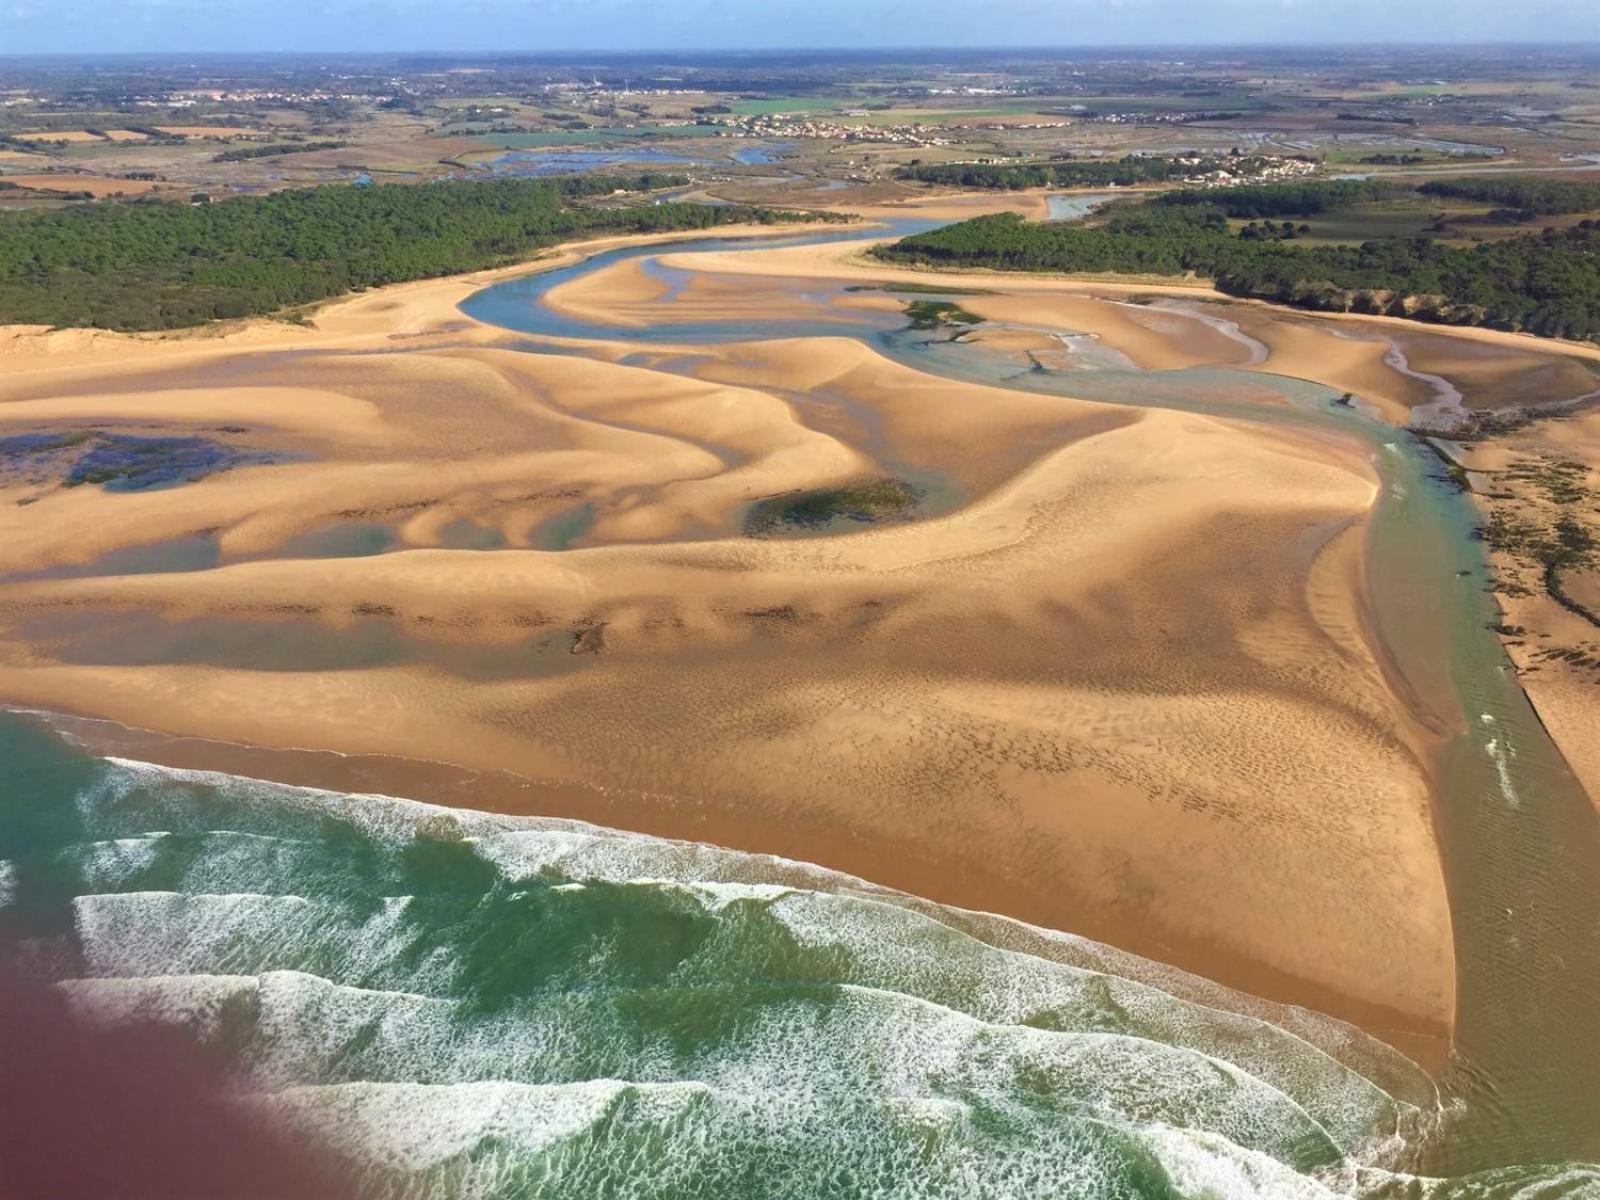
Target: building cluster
x,y
604,91
963,91
1014,126
189,97
1150,118
1242,169
778,125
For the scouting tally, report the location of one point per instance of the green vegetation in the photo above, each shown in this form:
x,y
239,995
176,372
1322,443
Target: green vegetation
x,y
1285,199
274,150
1286,230
1551,538
1066,172
931,314
1520,197
161,266
1547,283
774,105
1139,239
867,501
919,289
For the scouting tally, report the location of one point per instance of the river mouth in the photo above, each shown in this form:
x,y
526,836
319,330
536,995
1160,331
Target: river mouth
x,y
1528,963
1516,836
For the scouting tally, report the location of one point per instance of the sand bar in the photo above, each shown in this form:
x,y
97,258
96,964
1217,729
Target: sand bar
x,y
1066,699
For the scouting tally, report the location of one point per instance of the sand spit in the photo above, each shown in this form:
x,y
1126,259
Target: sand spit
x,y
1398,370
1066,699
1029,698
1066,696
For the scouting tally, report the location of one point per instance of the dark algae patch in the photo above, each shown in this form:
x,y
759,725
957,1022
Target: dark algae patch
x,y
126,464
935,314
869,501
116,461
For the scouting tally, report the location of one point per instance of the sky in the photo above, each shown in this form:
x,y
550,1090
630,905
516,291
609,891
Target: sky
x,y
115,26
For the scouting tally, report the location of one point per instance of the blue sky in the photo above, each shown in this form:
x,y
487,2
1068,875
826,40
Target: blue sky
x,y
76,26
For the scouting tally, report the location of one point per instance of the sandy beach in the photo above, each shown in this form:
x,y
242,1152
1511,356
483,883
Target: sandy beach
x,y
1065,696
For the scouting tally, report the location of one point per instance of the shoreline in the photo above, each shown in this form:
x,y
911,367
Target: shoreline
x,y
822,824
451,785
998,689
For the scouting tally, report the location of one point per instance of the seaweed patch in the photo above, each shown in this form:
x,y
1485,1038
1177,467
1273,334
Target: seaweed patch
x,y
115,461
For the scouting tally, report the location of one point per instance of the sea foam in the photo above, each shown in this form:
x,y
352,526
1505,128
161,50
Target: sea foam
x,y
468,1004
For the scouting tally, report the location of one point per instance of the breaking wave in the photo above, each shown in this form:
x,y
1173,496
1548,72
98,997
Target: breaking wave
x,y
460,1004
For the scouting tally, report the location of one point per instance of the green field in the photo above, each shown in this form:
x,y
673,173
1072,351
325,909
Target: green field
x,y
1365,224
587,137
1232,101
774,105
1339,155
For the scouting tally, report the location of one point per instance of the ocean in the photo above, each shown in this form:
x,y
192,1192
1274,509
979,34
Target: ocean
x,y
447,1003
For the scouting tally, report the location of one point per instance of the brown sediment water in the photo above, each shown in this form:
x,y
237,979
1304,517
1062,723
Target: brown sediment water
x,y
1520,840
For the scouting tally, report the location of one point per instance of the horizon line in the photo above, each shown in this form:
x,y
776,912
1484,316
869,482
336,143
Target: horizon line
x,y
1565,44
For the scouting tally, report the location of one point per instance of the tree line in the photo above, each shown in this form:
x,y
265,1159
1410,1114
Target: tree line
x,y
1521,196
1298,199
137,266
1069,172
1545,283
244,153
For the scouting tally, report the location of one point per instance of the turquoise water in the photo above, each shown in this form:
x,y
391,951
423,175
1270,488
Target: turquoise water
x,y
465,1004
459,1004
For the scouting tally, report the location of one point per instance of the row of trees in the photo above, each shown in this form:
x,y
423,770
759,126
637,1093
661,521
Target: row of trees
x,y
244,153
1299,199
162,265
1546,283
1067,172
1525,193
1520,198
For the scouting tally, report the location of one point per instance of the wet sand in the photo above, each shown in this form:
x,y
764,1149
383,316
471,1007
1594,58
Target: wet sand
x,y
1493,368
1527,482
1067,698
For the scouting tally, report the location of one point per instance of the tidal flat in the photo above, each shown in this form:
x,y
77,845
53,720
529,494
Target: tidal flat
x,y
1058,703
